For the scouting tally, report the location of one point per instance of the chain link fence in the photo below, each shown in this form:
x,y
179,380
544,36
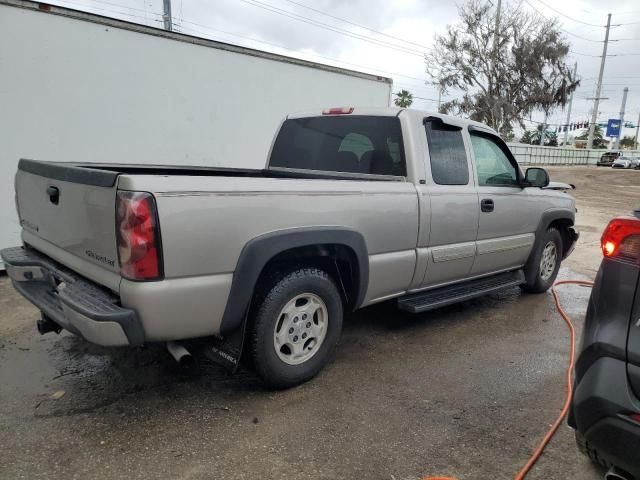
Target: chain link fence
x,y
536,155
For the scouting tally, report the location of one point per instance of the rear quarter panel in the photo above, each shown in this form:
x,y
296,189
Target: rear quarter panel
x,y
206,221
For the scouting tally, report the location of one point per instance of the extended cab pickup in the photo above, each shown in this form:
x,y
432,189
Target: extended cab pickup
x,y
355,206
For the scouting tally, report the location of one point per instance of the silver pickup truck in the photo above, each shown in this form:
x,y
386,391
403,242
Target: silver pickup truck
x,y
354,207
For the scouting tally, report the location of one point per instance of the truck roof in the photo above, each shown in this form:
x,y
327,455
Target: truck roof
x,y
395,111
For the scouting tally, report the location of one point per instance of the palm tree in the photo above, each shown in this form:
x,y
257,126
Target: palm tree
x,y
403,99
532,137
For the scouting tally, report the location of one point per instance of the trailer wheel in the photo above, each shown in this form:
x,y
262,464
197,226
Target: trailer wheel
x,y
296,326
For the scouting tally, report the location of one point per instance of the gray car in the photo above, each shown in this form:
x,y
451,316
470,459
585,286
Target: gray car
x,y
354,207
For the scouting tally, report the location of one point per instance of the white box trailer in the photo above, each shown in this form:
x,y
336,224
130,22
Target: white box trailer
x,y
79,87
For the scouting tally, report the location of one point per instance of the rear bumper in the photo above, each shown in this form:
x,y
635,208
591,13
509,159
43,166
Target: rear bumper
x,y
602,398
73,302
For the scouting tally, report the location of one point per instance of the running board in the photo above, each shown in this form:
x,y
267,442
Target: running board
x,y
440,297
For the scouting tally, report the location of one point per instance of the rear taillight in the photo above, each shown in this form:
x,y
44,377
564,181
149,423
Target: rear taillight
x,y
138,236
621,239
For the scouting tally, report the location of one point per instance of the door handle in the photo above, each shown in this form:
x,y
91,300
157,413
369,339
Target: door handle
x,y
486,205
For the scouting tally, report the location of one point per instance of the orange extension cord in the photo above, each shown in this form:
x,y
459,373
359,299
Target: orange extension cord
x,y
569,386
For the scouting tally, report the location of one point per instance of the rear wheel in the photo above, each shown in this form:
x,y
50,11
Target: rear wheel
x,y
297,324
549,256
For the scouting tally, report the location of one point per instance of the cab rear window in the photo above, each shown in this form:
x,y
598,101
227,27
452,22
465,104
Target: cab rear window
x,y
349,144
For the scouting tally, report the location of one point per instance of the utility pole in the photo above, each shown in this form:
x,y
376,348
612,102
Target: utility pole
x,y
637,130
544,129
566,127
439,99
624,103
596,100
166,15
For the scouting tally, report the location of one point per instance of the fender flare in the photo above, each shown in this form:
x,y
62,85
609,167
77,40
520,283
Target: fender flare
x,y
547,218
260,250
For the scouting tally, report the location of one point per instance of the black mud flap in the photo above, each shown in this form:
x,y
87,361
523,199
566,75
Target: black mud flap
x,y
224,351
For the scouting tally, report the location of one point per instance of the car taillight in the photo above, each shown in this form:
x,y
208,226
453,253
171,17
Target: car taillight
x,y
621,239
138,236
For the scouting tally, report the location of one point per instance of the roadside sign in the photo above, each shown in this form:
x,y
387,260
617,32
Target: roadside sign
x,y
613,127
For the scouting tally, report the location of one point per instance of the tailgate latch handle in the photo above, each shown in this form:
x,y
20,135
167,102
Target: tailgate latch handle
x,y
54,194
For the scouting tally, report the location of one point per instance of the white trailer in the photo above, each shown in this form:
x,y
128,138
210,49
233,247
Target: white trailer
x,y
79,87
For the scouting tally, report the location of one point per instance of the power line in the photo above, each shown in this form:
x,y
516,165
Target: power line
x,y
267,7
355,24
583,54
368,67
578,36
562,29
270,8
567,16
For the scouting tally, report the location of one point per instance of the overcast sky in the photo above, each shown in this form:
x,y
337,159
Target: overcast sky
x,y
410,26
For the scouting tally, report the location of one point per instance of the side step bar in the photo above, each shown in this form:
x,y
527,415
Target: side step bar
x,y
440,297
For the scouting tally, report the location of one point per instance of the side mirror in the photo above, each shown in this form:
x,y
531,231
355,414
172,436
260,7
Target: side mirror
x,y
536,177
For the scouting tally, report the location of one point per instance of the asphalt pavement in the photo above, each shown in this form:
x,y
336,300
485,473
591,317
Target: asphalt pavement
x,y
465,391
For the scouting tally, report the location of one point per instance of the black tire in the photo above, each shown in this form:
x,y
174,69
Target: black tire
x,y
538,284
277,292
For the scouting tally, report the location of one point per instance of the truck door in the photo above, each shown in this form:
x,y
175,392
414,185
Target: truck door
x,y
508,214
453,199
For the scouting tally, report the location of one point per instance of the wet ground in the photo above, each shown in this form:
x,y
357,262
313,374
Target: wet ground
x,y
465,391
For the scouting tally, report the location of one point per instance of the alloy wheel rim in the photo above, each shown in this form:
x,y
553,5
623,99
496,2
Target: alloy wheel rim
x,y
300,329
548,261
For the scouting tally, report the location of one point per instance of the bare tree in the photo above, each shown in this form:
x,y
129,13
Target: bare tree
x,y
502,79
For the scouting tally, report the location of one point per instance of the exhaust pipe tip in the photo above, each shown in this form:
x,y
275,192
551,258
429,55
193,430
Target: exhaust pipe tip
x,y
180,354
615,473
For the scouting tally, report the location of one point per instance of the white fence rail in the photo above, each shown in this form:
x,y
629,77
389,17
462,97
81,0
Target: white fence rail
x,y
536,155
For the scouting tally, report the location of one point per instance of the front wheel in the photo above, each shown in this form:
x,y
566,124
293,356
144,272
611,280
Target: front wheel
x,y
296,327
550,255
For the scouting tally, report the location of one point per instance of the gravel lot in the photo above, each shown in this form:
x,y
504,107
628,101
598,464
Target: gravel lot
x,y
465,391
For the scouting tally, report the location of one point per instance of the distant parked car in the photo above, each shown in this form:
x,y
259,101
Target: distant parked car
x,y
607,158
626,162
605,410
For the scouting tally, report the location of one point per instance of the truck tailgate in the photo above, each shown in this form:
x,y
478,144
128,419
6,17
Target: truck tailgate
x,y
71,208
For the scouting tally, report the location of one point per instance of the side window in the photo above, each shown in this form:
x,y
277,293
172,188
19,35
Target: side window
x,y
493,165
447,154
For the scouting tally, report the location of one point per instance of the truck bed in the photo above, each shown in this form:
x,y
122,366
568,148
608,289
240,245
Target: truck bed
x,y
105,174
